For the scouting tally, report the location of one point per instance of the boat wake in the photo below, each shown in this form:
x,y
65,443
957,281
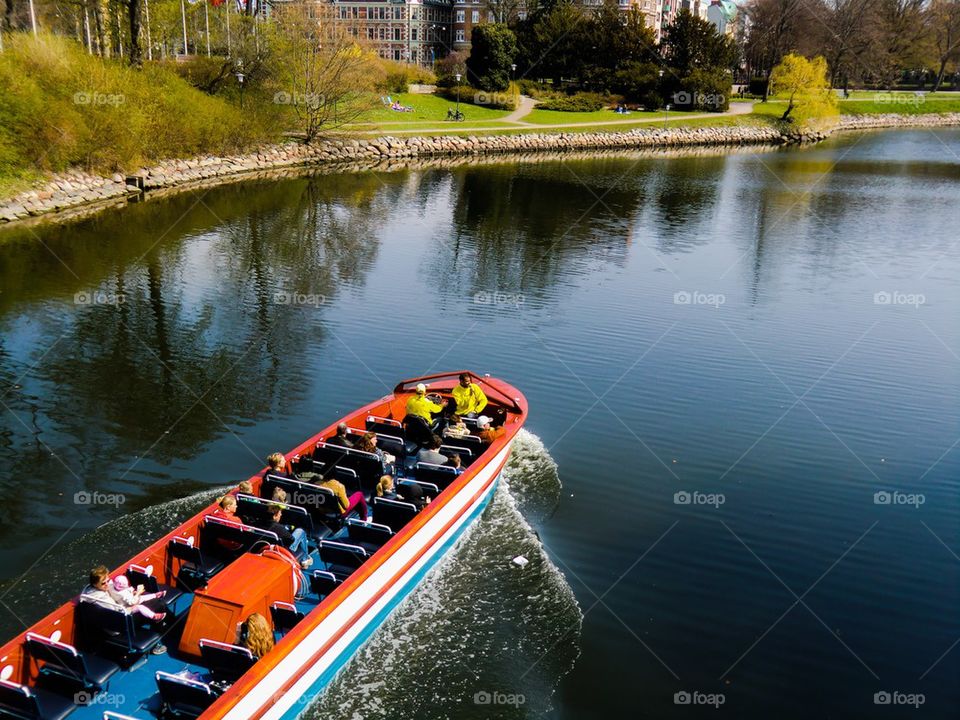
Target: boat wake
x,y
482,636
109,544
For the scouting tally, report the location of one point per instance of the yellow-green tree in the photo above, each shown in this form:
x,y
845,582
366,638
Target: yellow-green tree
x,y
807,88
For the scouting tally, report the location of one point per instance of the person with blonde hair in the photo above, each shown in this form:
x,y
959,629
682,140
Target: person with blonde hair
x,y
246,487
385,487
258,636
278,466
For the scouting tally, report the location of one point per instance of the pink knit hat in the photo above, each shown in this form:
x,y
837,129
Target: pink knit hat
x,y
121,583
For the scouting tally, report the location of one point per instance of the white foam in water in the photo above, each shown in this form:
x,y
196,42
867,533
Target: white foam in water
x,y
475,626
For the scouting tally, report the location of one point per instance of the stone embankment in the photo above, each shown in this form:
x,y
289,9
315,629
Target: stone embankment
x,y
72,190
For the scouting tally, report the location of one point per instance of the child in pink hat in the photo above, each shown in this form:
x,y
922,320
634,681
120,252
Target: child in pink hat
x,y
133,598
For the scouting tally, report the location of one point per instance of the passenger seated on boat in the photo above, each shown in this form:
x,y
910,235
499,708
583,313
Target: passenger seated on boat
x,y
256,635
294,540
455,463
368,443
278,466
279,494
99,591
488,433
410,492
429,453
419,404
469,397
134,598
341,438
227,509
245,487
456,428
347,504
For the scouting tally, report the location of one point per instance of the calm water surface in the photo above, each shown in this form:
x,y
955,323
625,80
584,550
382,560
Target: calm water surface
x,y
727,358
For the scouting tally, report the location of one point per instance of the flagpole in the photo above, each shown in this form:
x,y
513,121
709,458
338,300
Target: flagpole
x,y
206,22
146,9
229,49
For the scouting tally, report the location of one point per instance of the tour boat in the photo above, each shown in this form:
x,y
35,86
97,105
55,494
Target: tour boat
x,y
99,660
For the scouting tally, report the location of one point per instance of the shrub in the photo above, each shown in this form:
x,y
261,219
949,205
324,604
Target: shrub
x,y
579,102
758,85
508,99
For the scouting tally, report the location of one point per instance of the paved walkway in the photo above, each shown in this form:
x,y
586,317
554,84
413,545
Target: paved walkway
x,y
526,107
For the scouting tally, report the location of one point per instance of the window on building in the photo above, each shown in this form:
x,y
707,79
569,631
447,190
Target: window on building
x,y
491,17
460,36
413,34
460,16
475,16
522,14
396,34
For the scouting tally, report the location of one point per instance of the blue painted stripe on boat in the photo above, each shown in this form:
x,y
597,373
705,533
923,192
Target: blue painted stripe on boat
x,y
377,620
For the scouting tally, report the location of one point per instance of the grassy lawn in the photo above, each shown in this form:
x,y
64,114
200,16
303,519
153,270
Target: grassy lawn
x,y
426,108
555,117
871,103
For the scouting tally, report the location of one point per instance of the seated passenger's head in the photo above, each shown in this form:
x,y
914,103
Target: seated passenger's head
x,y
228,503
99,576
279,494
464,380
435,442
276,511
342,429
455,419
455,460
385,485
246,487
483,422
276,461
421,389
259,638
368,442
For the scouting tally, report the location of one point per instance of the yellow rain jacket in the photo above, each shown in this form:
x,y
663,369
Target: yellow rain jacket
x,y
470,399
420,405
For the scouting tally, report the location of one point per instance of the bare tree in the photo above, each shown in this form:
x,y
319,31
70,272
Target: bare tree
x,y
847,38
773,29
943,21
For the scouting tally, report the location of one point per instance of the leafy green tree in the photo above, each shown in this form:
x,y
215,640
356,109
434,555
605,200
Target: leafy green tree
x,y
493,48
699,61
807,87
554,46
612,39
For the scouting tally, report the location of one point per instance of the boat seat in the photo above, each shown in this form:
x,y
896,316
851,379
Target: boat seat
x,y
450,447
227,662
387,426
440,475
183,698
370,536
196,567
138,575
320,502
323,583
348,477
367,465
80,671
29,703
388,442
256,511
285,616
108,627
232,539
393,513
429,489
341,559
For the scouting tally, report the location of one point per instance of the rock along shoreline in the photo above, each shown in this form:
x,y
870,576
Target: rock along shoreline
x,y
74,189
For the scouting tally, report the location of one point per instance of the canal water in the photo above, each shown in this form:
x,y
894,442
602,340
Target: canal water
x,y
738,488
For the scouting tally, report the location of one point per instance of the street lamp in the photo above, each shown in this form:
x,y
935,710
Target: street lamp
x,y
457,78
240,78
666,112
513,71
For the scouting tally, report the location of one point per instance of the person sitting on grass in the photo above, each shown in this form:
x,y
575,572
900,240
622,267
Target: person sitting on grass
x,y
294,540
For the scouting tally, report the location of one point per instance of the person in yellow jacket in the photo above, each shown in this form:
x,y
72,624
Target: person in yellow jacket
x,y
470,398
422,406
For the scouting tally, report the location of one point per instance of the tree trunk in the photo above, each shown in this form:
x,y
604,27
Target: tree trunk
x,y
103,49
136,53
940,74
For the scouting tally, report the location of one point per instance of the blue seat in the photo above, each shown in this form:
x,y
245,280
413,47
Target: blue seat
x,y
320,502
429,489
451,448
79,671
370,536
285,616
226,662
229,539
138,575
109,628
393,513
196,568
256,511
440,475
29,703
367,465
341,559
183,698
323,583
